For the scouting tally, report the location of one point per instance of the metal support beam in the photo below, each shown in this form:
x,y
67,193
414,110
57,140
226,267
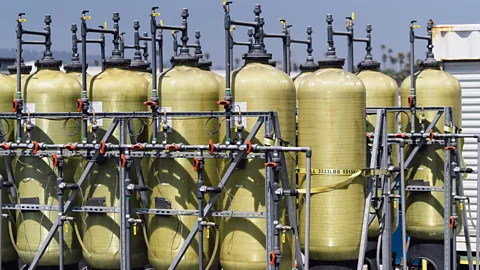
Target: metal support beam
x,y
387,201
368,199
69,201
214,197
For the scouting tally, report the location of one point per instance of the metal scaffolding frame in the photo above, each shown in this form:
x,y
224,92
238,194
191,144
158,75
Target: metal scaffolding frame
x,y
389,177
275,165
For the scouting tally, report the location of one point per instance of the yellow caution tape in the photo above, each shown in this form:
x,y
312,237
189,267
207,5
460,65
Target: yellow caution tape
x,y
66,227
326,171
134,229
335,186
283,238
207,233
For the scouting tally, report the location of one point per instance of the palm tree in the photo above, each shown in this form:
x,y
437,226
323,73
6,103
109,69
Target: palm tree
x,y
96,62
393,60
384,56
237,61
401,60
207,55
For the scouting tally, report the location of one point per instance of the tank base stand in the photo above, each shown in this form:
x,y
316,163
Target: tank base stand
x,y
332,265
67,267
430,250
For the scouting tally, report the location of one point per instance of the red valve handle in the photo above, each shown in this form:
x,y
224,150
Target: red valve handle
x,y
137,147
79,105
223,102
70,147
124,160
196,164
35,147
249,147
271,164
102,148
55,160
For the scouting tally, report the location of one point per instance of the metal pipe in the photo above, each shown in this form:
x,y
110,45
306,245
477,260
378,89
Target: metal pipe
x,y
446,209
228,68
61,233
477,230
454,215
307,209
123,219
350,45
19,78
154,98
84,98
412,97
200,197
403,204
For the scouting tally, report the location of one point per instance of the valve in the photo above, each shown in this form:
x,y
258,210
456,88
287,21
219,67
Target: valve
x,y
171,147
70,147
452,148
453,221
103,148
133,187
432,135
249,148
17,105
80,105
137,147
55,160
150,103
64,186
4,146
35,147
197,164
123,160
211,147
271,164
224,103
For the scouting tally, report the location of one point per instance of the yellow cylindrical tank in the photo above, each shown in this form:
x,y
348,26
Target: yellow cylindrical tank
x,y
8,90
35,176
331,120
381,91
173,181
256,86
207,66
306,69
424,210
74,69
114,90
142,69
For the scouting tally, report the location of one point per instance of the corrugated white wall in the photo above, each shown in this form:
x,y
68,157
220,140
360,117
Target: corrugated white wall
x,y
468,73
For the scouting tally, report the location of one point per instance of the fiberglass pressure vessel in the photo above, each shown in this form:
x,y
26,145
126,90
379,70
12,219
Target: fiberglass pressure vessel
x,y
331,120
114,90
7,90
47,90
207,66
75,70
256,86
424,210
381,91
173,181
305,70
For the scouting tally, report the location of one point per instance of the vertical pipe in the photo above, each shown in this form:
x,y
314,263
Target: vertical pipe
x,y
412,79
123,220
289,65
387,201
1,216
153,31
477,230
84,77
350,46
447,205
199,168
102,51
402,202
268,208
307,209
228,63
127,195
160,52
61,233
19,80
454,215
285,55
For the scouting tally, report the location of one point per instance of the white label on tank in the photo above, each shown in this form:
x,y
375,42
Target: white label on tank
x,y
169,118
31,109
96,106
239,107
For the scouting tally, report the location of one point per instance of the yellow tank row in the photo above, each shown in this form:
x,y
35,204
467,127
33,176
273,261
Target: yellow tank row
x,y
331,109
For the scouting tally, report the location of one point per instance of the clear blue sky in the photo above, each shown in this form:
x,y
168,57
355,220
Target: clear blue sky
x,y
389,18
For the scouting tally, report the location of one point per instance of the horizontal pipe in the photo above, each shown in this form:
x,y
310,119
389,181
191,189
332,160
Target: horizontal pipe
x,y
427,135
273,35
36,33
300,41
171,27
92,41
242,43
366,40
33,42
241,23
101,30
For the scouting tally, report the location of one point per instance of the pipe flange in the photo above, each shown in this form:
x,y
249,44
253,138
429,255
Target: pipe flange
x,y
139,65
369,65
24,69
117,62
309,66
48,63
331,62
184,59
257,56
73,67
204,64
430,63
